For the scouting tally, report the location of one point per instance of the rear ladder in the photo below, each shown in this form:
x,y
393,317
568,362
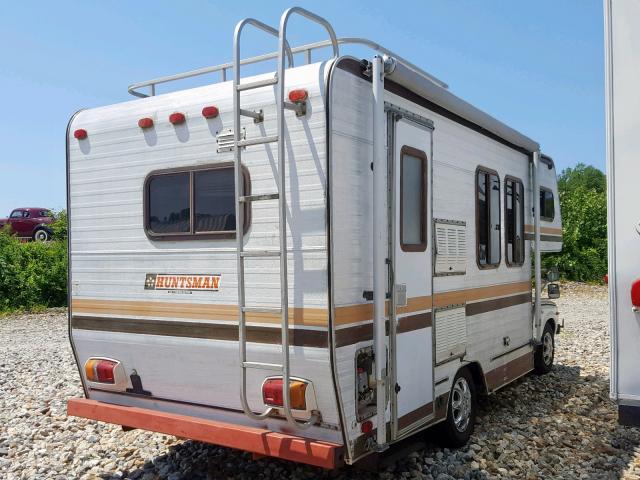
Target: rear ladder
x,y
280,195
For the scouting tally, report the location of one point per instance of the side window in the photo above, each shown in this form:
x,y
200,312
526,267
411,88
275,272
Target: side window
x,y
26,214
547,205
514,218
168,203
488,218
46,213
192,203
413,200
16,214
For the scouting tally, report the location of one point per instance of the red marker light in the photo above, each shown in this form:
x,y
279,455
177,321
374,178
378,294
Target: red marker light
x,y
80,134
210,112
177,118
366,427
298,96
145,123
605,279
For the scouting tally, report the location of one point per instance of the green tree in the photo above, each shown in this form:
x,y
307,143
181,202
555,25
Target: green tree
x,y
583,203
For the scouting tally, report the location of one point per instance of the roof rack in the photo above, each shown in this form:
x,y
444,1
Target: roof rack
x,y
223,68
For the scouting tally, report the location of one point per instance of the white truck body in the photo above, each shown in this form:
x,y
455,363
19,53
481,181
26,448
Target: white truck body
x,y
622,41
178,345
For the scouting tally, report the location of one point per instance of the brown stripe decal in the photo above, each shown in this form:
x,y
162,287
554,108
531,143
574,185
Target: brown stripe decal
x,y
496,304
414,322
415,416
510,371
544,238
213,331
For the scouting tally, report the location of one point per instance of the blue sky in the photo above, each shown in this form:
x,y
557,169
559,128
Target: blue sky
x,y
537,66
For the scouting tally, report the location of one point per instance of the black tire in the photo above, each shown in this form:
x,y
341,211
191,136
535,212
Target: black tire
x,y
545,352
41,235
456,430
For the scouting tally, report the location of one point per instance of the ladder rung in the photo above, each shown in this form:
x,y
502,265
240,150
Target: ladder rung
x,y
256,198
263,366
257,141
257,84
260,253
277,310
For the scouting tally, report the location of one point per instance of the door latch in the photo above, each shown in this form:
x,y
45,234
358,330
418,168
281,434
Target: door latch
x,y
397,388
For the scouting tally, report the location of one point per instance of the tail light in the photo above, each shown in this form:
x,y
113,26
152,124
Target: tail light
x,y
635,295
366,427
177,118
100,370
80,134
273,396
298,96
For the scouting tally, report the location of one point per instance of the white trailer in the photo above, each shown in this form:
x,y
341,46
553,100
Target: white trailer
x,y
348,228
622,42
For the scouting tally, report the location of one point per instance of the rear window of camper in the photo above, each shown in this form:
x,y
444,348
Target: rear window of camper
x,y
192,203
488,218
514,218
547,206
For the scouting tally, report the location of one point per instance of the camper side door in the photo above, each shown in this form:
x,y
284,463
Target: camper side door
x,y
411,330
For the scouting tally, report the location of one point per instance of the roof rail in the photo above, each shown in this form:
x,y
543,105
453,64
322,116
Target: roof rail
x,y
223,68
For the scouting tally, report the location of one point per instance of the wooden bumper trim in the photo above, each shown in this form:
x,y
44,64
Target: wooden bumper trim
x,y
255,440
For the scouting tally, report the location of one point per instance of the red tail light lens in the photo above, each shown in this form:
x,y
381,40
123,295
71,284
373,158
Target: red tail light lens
x,y
298,96
366,427
635,294
145,123
100,370
272,393
177,118
80,134
210,112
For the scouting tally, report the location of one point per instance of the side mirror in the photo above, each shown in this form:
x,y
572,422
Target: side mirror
x,y
553,275
553,291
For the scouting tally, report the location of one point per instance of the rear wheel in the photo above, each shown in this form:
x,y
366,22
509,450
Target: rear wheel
x,y
461,412
545,352
41,235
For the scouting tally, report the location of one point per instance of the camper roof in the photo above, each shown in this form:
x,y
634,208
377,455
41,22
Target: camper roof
x,y
403,72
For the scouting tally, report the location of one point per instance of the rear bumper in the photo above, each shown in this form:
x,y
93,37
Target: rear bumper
x,y
255,440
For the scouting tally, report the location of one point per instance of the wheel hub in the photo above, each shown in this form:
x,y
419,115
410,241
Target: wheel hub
x,y
461,404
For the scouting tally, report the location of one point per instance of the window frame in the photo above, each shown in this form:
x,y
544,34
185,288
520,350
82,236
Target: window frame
x,y
192,234
20,211
487,171
543,217
516,180
422,246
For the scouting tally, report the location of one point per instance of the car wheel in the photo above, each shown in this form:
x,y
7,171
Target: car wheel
x,y
461,412
545,352
41,235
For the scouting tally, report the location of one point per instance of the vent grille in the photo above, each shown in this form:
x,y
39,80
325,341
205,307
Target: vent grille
x,y
224,139
451,248
451,333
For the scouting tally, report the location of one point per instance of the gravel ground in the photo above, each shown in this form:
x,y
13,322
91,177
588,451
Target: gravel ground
x,y
561,425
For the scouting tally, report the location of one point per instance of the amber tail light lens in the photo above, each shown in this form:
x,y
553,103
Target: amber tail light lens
x,y
100,370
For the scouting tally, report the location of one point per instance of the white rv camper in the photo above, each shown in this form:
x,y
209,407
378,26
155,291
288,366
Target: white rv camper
x,y
622,40
347,228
